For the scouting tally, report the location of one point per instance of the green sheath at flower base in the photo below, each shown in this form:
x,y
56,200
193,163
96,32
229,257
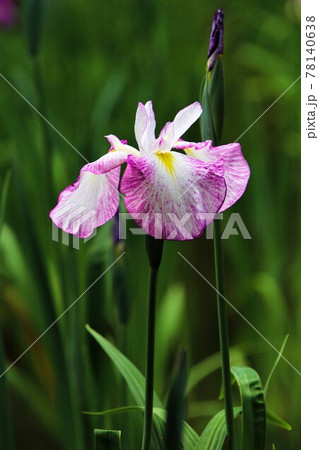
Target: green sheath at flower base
x,y
154,249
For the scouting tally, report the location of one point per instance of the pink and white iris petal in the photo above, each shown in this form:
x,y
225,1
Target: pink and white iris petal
x,y
184,145
93,199
237,170
158,197
185,118
172,131
121,145
145,127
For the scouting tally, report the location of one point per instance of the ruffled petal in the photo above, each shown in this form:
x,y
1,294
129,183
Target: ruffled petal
x,y
237,170
93,199
172,196
184,145
172,131
145,127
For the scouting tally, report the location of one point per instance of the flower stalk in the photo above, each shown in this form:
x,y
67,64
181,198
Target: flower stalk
x,y
211,128
154,249
223,331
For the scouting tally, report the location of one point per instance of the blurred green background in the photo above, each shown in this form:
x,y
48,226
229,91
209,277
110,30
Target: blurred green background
x,y
94,63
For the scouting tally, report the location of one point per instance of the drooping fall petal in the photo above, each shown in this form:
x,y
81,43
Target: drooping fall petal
x,y
93,199
172,196
237,170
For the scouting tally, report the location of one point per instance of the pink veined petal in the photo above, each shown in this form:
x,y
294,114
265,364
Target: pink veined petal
x,y
172,196
120,145
164,141
145,127
237,170
184,145
93,199
140,124
182,122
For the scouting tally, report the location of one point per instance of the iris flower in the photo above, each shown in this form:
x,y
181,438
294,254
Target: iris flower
x,y
170,194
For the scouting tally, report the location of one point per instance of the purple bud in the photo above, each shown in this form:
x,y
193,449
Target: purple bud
x,y
216,43
7,13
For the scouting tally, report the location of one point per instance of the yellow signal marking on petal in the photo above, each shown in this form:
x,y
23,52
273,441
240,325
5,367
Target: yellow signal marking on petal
x,y
190,152
167,159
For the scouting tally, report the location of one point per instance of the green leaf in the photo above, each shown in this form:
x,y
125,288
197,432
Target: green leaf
x,y
115,411
253,435
134,380
214,435
107,440
212,363
4,195
275,420
190,435
275,364
6,432
136,384
176,407
131,374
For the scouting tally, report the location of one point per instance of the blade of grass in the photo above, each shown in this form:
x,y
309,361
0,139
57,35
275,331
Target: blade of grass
x,y
136,383
214,435
275,420
134,379
6,428
190,435
282,348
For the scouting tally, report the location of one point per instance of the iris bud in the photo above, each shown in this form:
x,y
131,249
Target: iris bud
x,y
212,95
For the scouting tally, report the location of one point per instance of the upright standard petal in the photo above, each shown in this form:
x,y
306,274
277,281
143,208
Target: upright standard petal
x,y
182,122
172,196
121,146
93,199
145,127
237,170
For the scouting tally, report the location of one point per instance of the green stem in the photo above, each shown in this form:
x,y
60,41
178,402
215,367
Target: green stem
x,y
150,346
154,249
223,332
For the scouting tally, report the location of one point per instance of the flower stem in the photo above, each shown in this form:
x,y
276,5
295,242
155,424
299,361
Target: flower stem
x,y
154,249
223,332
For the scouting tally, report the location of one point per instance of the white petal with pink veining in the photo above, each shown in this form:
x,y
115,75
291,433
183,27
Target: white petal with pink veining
x,y
237,170
93,199
184,119
154,188
145,127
